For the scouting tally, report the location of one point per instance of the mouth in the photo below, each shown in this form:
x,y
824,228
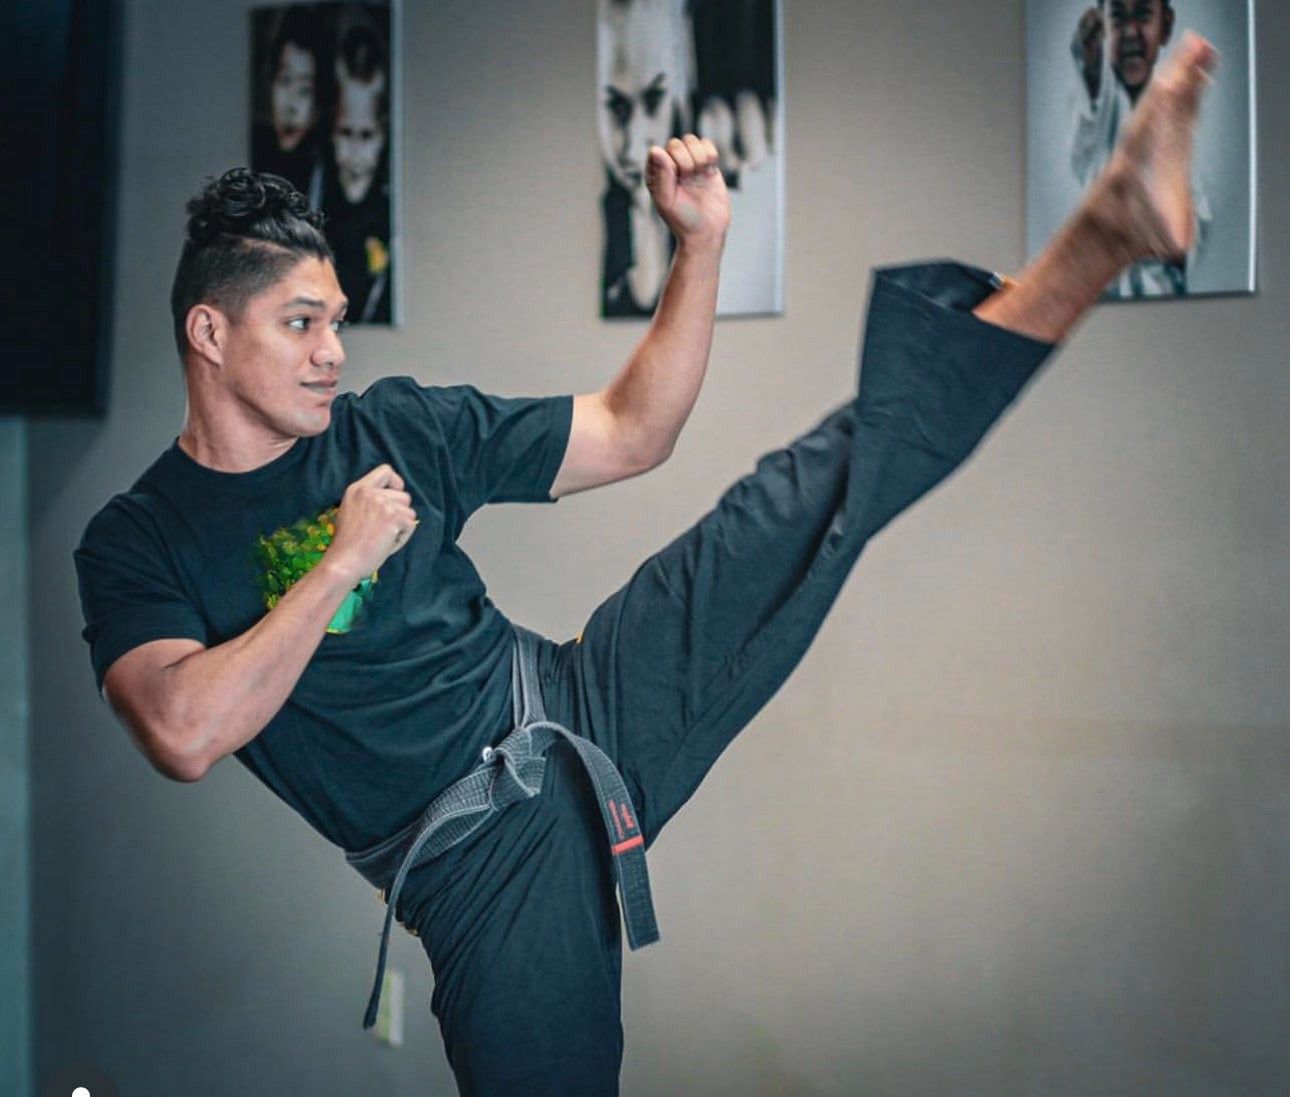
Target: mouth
x,y
322,388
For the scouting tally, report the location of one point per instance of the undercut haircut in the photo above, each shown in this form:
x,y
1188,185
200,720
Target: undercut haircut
x,y
245,231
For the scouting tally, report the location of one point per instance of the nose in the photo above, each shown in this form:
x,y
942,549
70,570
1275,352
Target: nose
x,y
330,352
637,144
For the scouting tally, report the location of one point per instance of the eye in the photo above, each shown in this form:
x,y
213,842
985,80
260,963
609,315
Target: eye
x,y
339,325
621,107
299,323
651,100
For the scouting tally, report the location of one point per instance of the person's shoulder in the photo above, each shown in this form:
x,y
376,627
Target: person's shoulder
x,y
132,512
132,517
402,403
123,533
402,389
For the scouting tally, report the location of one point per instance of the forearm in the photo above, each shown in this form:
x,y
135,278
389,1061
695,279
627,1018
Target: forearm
x,y
219,699
656,390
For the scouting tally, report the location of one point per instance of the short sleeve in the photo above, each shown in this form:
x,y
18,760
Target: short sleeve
x,y
130,593
500,449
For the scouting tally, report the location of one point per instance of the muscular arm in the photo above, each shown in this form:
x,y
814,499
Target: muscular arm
x,y
188,706
632,424
655,391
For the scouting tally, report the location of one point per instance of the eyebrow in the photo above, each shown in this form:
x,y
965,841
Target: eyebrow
x,y
657,84
314,303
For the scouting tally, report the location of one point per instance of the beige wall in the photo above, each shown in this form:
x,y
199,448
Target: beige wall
x,y
1019,824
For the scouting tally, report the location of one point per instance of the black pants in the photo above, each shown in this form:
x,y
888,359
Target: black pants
x,y
520,922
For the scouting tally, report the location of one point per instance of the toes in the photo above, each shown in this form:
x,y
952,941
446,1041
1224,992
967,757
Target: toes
x,y
1184,80
1197,59
1199,53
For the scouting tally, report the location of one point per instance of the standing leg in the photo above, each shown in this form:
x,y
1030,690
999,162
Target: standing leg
x,y
522,929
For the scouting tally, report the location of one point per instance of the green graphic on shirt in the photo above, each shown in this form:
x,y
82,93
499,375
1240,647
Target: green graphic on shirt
x,y
289,554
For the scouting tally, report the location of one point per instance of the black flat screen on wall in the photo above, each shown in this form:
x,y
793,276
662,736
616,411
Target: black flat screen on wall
x,y
59,77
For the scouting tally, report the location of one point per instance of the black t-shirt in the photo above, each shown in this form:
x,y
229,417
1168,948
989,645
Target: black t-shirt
x,y
412,679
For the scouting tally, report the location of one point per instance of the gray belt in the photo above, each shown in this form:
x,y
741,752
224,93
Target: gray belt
x,y
512,771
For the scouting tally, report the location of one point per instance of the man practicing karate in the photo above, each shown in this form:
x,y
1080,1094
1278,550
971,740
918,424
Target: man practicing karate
x,y
284,584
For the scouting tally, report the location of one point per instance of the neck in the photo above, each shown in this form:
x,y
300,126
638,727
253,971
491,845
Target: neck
x,y
218,437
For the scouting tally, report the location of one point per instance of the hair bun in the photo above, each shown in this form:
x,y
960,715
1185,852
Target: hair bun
x,y
239,200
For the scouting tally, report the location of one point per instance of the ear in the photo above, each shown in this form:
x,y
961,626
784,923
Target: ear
x,y
207,330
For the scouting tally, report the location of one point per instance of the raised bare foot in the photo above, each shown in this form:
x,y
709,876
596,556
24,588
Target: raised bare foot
x,y
1144,196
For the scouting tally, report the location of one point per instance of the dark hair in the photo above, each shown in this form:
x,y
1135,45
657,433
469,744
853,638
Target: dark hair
x,y
362,55
297,27
245,231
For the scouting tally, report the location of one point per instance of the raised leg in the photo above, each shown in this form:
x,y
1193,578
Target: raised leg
x,y
675,663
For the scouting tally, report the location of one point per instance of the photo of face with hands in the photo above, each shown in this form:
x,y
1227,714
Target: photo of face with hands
x,y
1090,65
665,67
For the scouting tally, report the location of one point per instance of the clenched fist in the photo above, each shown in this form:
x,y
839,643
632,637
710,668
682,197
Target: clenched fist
x,y
374,521
688,191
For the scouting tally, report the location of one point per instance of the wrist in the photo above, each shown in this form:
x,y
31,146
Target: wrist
x,y
702,245
336,573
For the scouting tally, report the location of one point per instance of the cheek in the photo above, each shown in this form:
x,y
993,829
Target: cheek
x,y
610,133
657,129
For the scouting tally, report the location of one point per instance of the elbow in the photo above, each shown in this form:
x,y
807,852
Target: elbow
x,y
640,461
178,768
173,761
650,451
160,724
175,753
659,456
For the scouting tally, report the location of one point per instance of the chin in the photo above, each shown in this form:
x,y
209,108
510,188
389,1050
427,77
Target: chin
x,y
312,425
355,188
1135,77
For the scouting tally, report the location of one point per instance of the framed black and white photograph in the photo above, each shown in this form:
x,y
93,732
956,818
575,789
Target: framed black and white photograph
x,y
323,85
1088,63
711,67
